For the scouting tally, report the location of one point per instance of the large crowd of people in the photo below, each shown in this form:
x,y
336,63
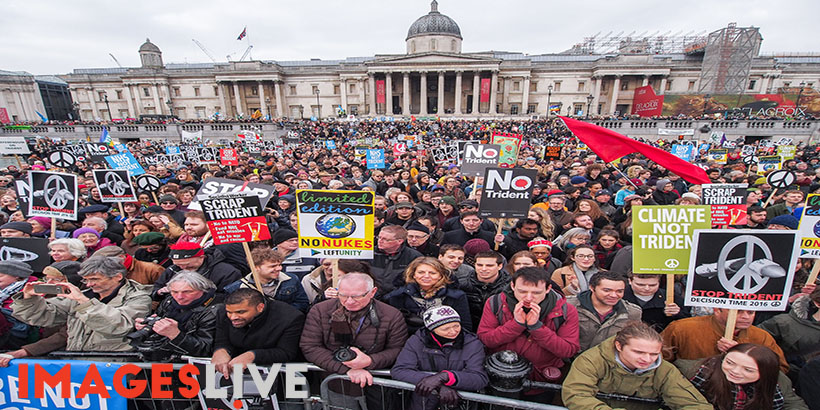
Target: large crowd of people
x,y
445,289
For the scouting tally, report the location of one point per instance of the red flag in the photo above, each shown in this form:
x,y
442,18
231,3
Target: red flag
x,y
243,33
609,146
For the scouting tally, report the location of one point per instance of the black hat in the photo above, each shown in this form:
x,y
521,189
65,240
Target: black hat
x,y
404,204
283,235
154,209
168,198
94,208
63,268
416,226
468,202
23,227
15,268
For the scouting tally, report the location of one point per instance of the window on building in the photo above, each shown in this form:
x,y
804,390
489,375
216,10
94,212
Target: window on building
x,y
513,109
336,89
119,94
532,108
177,93
582,85
533,86
124,114
351,88
516,85
433,44
453,46
292,89
752,84
200,112
146,92
624,85
216,91
577,108
787,84
668,85
101,95
197,92
254,90
691,85
353,109
556,86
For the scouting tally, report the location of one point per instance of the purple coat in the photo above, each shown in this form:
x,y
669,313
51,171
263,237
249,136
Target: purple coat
x,y
421,354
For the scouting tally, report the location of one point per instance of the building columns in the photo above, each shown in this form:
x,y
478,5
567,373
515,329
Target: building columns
x,y
223,108
280,99
494,94
157,103
93,102
525,98
21,109
388,93
505,105
597,94
645,81
616,88
371,99
457,104
237,100
135,91
168,95
476,91
405,93
440,108
130,101
262,103
423,102
663,86
344,95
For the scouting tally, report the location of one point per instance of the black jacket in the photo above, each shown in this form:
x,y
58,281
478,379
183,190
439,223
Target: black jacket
x,y
514,244
461,236
214,268
454,223
478,293
652,310
196,340
388,270
273,336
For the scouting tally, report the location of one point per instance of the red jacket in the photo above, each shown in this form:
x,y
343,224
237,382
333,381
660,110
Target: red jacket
x,y
543,347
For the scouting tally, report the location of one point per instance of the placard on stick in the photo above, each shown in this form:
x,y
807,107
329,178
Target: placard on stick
x,y
235,218
335,224
728,202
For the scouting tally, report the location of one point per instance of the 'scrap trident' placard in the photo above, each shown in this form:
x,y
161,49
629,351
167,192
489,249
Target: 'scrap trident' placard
x,y
335,224
234,218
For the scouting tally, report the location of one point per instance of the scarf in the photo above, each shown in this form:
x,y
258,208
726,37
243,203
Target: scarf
x,y
345,325
546,305
583,277
10,290
182,313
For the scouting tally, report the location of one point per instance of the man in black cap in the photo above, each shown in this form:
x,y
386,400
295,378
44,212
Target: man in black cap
x,y
418,238
404,213
15,230
209,263
602,198
467,205
13,276
101,211
169,204
286,242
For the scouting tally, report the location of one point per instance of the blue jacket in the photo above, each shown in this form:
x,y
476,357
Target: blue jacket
x,y
289,290
402,299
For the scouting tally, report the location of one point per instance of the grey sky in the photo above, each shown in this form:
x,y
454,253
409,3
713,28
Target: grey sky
x,y
56,36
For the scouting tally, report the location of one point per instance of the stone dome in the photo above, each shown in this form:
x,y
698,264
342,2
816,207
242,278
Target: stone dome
x,y
434,23
149,47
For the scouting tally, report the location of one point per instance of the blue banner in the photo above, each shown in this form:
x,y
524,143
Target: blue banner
x,y
375,159
125,161
120,148
170,150
10,392
684,152
330,144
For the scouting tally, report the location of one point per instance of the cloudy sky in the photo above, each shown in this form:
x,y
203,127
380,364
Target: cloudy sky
x,y
56,36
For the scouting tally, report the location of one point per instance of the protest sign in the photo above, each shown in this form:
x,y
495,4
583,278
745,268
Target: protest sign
x,y
399,148
769,163
147,182
61,159
335,224
440,155
172,149
228,157
809,229
97,151
684,152
121,147
214,186
552,152
509,148
719,155
741,269
728,202
53,195
507,192
33,251
375,158
125,161
14,145
479,157
114,185
662,237
191,137
786,152
206,156
330,144
23,190
235,218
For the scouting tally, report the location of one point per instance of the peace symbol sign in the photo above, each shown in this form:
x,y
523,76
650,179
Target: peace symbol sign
x,y
751,159
751,272
781,178
205,155
147,182
56,193
115,184
62,159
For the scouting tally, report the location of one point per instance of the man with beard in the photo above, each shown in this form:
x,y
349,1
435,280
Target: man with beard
x,y
195,230
518,239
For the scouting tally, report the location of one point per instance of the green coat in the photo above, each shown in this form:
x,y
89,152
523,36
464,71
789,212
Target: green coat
x,y
596,370
93,325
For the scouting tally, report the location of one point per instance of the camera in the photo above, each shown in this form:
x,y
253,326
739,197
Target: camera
x,y
147,330
344,354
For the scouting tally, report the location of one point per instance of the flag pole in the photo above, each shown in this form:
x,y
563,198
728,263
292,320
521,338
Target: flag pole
x,y
612,164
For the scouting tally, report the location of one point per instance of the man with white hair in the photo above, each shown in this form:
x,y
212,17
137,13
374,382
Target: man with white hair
x,y
100,225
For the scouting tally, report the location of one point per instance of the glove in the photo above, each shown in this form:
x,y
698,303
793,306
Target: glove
x,y
429,384
448,396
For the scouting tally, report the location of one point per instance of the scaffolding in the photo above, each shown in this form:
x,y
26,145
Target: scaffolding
x,y
638,43
728,59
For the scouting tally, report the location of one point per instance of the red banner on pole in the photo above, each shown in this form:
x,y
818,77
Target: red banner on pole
x,y
4,116
380,92
228,156
645,103
485,90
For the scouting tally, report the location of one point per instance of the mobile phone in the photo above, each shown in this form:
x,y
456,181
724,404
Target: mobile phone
x,y
47,289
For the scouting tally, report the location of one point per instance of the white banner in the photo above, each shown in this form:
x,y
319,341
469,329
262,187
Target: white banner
x,y
191,137
14,145
666,131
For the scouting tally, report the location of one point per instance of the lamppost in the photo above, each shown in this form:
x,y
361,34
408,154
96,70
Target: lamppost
x,y
267,107
706,99
799,94
107,106
76,111
318,107
302,111
170,107
549,97
589,103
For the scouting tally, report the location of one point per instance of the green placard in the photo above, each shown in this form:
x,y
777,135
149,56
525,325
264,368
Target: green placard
x,y
662,237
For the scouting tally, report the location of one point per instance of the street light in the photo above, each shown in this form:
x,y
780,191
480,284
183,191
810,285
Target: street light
x,y
267,106
589,103
799,94
706,99
549,97
107,106
170,107
318,107
76,111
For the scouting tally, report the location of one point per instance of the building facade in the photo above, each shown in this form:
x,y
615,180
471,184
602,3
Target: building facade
x,y
434,77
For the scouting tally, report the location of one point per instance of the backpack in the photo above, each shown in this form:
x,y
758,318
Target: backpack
x,y
495,305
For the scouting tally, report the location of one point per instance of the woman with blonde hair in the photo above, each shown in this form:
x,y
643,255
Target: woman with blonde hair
x,y
426,285
544,222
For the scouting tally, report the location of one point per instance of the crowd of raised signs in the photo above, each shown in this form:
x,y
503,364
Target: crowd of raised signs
x,y
445,289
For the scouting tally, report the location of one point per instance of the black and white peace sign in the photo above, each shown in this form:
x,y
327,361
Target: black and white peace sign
x,y
62,159
206,155
147,182
115,184
750,277
781,178
56,192
751,159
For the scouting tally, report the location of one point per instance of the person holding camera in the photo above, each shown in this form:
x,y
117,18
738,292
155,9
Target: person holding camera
x,y
98,318
352,334
184,323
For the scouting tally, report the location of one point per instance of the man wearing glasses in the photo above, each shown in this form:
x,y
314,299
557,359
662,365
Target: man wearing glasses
x,y
418,237
351,335
391,258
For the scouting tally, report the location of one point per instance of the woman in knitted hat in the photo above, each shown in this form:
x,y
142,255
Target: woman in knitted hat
x,y
426,285
455,356
91,239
